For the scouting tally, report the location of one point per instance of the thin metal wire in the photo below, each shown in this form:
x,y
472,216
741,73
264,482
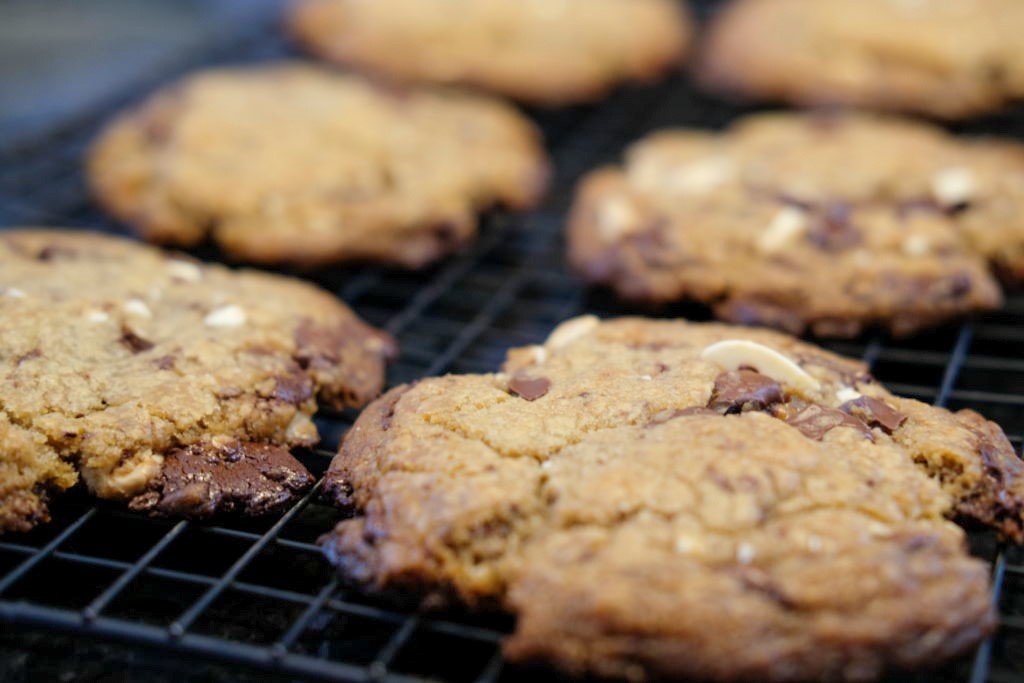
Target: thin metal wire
x,y
96,606
181,624
25,567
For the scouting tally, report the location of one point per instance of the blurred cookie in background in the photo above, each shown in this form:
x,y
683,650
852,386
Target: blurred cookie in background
x,y
808,222
545,52
945,58
296,164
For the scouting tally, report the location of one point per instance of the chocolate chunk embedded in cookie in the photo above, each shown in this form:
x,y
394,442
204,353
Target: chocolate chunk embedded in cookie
x,y
945,58
549,52
175,386
824,222
293,164
657,514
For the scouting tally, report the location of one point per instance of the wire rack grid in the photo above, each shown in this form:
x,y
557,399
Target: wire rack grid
x,y
258,594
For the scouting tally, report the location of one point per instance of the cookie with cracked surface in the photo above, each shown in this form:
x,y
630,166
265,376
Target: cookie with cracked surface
x,y
824,222
944,58
294,164
668,499
174,386
546,52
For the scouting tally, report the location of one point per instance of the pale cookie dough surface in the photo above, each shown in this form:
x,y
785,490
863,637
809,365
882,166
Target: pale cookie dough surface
x,y
548,52
945,58
175,386
294,164
668,499
830,223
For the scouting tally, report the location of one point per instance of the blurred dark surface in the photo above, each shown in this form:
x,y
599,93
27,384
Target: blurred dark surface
x,y
58,57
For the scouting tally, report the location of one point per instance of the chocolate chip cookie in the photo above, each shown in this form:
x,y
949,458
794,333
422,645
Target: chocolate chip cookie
x,y
174,386
823,222
547,52
945,58
667,499
293,164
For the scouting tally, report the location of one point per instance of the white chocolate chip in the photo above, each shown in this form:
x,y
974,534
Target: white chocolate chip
x,y
126,479
226,316
538,354
701,176
732,354
97,316
695,177
14,293
137,307
689,545
916,245
788,224
953,185
184,271
616,218
571,330
848,394
301,430
878,529
646,378
745,553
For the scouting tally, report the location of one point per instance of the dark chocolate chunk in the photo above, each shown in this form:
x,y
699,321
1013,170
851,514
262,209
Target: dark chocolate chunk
x,y
739,390
875,413
31,355
133,341
832,230
337,490
908,207
240,477
529,388
815,421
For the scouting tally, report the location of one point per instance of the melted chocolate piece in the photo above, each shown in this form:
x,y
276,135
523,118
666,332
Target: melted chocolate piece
x,y
320,347
815,421
832,231
294,388
740,390
875,413
241,477
134,342
529,388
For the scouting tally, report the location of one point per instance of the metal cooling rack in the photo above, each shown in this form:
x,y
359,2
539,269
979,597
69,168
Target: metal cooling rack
x,y
258,594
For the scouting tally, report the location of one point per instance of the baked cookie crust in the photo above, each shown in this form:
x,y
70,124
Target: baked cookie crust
x,y
943,58
665,499
545,52
174,386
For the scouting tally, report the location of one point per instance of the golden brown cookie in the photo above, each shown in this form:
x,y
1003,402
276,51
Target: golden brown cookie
x,y
548,52
798,221
294,164
945,58
174,386
666,499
